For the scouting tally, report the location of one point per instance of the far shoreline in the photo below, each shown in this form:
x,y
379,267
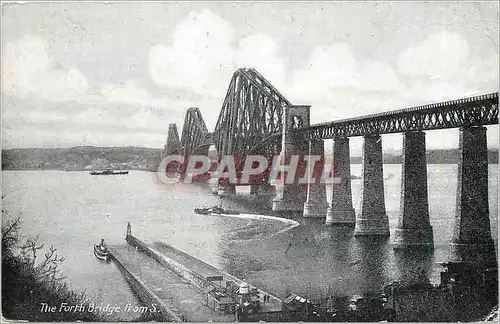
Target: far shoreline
x,y
148,170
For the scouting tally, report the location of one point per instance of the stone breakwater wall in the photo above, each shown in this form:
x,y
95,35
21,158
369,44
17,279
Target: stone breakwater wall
x,y
146,295
201,282
187,274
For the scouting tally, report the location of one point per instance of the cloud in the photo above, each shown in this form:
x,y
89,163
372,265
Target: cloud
x,y
337,85
200,56
95,122
142,110
28,69
260,51
197,64
333,80
439,56
328,67
129,92
204,65
443,67
203,56
334,68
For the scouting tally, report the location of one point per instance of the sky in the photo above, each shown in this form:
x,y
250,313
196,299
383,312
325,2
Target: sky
x,y
117,73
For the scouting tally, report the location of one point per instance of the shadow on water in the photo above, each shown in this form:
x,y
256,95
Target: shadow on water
x,y
372,254
254,204
413,266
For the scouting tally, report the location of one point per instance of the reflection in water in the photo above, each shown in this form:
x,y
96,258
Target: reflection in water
x,y
337,248
372,253
413,266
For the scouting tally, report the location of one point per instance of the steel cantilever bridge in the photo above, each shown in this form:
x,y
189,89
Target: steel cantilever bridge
x,y
256,119
251,120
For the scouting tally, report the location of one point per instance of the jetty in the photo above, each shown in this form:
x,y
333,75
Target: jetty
x,y
184,288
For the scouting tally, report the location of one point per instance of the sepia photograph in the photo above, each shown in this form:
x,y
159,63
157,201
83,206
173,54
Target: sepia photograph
x,y
249,161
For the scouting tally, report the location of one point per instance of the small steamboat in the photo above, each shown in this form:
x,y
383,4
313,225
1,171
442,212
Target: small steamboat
x,y
215,210
108,172
101,251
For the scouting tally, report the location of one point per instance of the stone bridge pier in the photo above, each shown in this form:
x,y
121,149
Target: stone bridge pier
x,y
414,229
291,196
340,210
226,189
472,241
315,205
262,189
220,189
373,219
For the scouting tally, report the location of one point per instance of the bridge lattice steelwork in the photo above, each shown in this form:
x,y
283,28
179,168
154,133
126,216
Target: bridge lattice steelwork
x,y
473,111
195,137
173,145
252,111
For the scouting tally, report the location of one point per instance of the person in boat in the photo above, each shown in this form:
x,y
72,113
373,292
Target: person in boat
x,y
102,246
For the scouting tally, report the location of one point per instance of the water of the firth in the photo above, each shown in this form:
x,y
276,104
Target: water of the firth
x,y
74,210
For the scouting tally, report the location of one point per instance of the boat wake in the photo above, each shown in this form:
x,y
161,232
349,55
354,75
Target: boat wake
x,y
289,222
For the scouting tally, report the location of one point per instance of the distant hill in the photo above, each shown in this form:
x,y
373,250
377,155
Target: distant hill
x,y
80,158
448,156
141,158
451,156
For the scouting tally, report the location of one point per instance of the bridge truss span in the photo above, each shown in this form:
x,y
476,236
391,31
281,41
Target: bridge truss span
x,y
473,111
195,136
251,112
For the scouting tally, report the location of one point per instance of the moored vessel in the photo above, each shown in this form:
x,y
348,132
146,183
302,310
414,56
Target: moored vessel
x,y
217,210
101,251
108,172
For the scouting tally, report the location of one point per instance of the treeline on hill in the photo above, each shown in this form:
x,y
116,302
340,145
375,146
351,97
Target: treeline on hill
x,y
141,158
80,158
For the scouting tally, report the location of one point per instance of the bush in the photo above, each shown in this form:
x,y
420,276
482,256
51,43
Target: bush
x,y
28,284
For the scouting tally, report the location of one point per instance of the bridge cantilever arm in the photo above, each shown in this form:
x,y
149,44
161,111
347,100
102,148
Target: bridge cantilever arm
x,y
270,90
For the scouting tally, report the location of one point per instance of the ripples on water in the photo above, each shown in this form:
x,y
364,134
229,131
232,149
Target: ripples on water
x,y
73,210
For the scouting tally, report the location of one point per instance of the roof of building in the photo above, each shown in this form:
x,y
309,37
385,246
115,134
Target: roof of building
x,y
293,298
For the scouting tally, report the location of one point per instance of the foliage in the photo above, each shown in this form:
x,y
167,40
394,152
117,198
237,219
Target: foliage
x,y
27,284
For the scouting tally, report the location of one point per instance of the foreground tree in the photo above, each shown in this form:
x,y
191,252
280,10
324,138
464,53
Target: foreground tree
x,y
28,284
